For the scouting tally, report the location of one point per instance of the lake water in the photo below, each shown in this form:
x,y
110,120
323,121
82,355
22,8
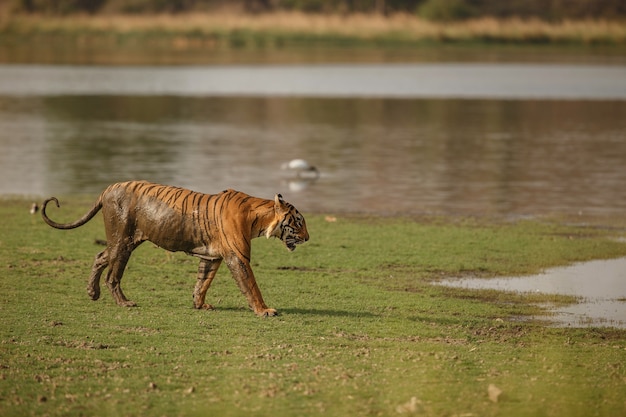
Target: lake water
x,y
462,138
523,132
400,81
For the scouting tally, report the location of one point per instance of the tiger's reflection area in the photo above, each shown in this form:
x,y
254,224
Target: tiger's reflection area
x,y
215,228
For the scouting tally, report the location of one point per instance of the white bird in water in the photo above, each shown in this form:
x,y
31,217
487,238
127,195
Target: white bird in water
x,y
301,168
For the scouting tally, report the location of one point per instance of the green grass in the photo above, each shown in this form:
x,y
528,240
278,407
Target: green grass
x,y
361,331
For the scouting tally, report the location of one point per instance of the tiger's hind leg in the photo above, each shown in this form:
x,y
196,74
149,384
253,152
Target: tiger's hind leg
x,y
206,272
117,264
99,264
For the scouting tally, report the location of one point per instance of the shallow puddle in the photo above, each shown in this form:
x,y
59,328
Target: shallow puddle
x,y
600,284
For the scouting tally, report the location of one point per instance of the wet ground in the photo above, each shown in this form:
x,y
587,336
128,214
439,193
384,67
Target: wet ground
x,y
601,286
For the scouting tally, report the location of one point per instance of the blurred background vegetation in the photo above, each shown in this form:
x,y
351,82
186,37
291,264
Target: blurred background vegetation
x,y
437,10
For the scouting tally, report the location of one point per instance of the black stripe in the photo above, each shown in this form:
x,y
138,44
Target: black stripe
x,y
183,204
160,190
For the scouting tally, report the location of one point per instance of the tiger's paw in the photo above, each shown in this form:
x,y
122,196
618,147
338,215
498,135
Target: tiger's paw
x,y
266,312
93,292
203,306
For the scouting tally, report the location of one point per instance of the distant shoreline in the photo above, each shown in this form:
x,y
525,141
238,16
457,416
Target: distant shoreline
x,y
229,30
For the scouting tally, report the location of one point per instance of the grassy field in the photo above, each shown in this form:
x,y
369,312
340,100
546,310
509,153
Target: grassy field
x,y
277,29
361,331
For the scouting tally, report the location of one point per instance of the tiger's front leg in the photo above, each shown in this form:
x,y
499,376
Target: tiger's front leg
x,y
243,275
206,272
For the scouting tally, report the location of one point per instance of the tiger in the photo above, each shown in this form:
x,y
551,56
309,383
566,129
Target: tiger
x,y
211,227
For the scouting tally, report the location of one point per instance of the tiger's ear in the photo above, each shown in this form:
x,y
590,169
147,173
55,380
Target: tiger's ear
x,y
279,208
279,204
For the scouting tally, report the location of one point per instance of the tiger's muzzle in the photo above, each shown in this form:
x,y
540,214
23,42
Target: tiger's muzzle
x,y
292,241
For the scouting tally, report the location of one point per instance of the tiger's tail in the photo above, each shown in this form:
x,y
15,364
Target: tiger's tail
x,y
88,216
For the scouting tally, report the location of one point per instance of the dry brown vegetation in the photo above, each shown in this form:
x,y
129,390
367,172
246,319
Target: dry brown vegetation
x,y
357,27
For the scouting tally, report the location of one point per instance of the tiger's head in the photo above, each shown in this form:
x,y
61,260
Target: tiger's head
x,y
288,225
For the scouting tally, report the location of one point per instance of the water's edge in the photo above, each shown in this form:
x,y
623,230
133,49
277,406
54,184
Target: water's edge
x,y
600,284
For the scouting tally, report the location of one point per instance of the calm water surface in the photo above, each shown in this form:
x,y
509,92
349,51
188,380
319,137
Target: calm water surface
x,y
467,80
467,156
469,130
